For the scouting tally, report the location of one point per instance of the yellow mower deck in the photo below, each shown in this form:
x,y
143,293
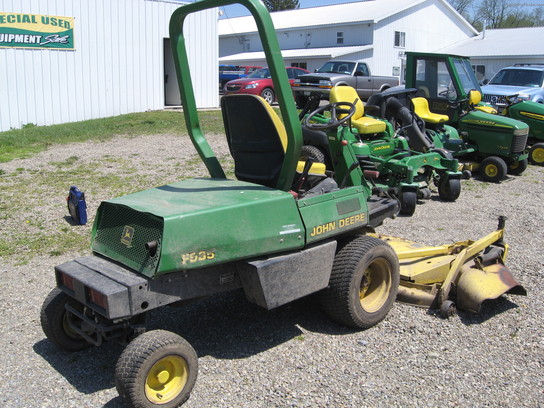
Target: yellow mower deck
x,y
466,272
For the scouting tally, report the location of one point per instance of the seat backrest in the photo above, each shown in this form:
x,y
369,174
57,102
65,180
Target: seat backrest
x,y
474,97
256,137
347,94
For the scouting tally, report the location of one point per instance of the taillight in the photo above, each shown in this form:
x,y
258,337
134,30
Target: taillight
x,y
67,281
97,298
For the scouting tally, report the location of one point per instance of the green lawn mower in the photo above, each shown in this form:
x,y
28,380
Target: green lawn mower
x,y
448,94
283,229
531,113
382,153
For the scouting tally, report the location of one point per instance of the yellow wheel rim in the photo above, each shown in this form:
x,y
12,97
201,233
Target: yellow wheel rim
x,y
514,165
166,379
491,170
538,155
375,286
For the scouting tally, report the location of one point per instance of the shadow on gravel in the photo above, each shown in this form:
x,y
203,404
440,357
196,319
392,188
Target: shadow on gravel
x,y
227,326
224,326
490,309
88,370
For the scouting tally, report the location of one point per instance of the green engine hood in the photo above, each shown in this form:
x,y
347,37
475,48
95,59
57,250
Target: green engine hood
x,y
196,223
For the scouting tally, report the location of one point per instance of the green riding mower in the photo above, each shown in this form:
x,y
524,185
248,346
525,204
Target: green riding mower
x,y
448,94
531,113
386,158
281,230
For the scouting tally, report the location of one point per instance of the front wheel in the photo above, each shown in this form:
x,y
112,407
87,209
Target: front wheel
x,y
493,169
449,189
536,154
364,283
55,318
268,95
517,168
158,368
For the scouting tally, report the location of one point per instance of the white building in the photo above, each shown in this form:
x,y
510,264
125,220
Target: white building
x,y
495,49
378,31
72,60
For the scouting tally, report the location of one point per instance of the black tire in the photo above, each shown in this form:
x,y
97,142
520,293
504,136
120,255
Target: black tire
x,y
54,320
536,154
493,169
363,284
268,95
517,168
449,189
158,369
408,201
313,152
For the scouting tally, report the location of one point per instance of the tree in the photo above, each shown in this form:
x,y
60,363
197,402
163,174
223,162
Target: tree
x,y
277,5
462,6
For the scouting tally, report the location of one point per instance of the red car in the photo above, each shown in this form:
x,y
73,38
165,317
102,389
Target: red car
x,y
260,83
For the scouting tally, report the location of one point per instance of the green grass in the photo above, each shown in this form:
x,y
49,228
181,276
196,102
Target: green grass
x,y
25,142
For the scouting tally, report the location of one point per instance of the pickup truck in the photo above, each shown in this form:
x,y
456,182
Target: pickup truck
x,y
230,72
352,73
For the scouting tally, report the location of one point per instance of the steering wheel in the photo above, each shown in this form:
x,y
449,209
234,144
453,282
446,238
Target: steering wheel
x,y
334,109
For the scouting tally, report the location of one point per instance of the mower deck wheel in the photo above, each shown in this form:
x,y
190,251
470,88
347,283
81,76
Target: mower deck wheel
x,y
158,368
363,284
493,169
408,201
447,309
54,320
449,189
517,168
536,154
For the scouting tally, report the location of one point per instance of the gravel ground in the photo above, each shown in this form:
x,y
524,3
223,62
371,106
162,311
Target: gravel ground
x,y
294,356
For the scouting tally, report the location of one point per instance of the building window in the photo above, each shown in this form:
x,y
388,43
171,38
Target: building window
x,y
340,37
479,70
400,39
302,65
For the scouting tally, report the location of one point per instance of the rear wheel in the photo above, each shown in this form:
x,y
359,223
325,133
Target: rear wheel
x,y
493,169
313,152
54,320
159,368
517,168
268,95
449,189
408,201
536,154
363,284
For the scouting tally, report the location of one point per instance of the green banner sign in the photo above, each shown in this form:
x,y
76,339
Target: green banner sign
x,y
36,31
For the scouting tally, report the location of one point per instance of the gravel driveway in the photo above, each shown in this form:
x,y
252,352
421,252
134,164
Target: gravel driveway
x,y
292,356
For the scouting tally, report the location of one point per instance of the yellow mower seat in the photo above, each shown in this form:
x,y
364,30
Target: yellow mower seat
x,y
363,124
421,108
474,98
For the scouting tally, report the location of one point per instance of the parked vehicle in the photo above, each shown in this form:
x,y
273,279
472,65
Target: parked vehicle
x,y
230,72
491,144
260,83
351,73
524,80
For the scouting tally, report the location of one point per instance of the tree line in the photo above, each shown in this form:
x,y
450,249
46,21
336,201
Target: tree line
x,y
499,13
494,13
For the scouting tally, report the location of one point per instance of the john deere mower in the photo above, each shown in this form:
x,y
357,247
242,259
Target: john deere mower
x,y
531,113
280,231
396,168
447,95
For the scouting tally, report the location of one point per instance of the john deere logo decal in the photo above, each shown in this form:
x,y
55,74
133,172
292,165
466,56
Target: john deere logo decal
x,y
126,238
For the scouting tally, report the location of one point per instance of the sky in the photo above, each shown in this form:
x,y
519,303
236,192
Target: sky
x,y
238,10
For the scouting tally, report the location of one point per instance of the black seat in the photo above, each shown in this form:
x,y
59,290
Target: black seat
x,y
255,138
